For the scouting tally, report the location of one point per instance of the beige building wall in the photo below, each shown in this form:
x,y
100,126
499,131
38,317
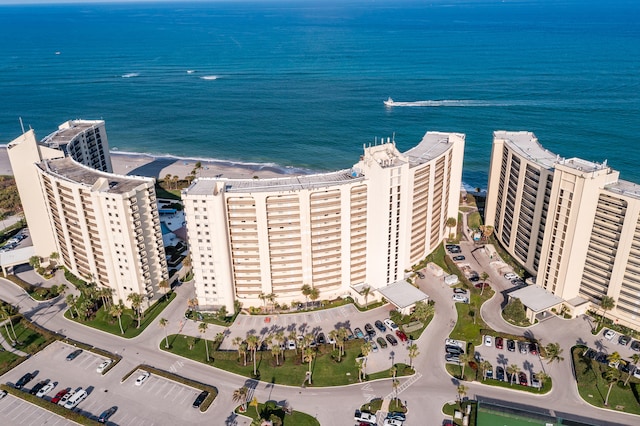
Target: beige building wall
x,y
331,231
570,222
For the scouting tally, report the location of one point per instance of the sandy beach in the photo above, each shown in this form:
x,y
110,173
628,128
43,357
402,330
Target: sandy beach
x,y
159,167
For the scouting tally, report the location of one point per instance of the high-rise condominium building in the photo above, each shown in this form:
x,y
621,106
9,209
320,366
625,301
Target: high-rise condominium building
x,y
104,226
358,227
570,222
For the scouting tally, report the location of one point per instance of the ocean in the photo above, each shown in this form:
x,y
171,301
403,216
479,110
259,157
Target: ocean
x,y
300,85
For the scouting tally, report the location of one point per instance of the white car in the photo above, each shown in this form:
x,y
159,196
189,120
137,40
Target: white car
x,y
392,422
66,397
142,378
365,418
390,324
510,276
45,390
460,298
291,345
488,341
609,334
636,373
103,366
76,399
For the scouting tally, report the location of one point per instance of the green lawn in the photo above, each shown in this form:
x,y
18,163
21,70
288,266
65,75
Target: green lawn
x,y
29,340
296,418
470,323
474,220
105,322
291,371
593,388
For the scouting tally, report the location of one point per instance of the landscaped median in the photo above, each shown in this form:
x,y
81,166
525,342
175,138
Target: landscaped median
x,y
289,369
604,386
276,414
213,392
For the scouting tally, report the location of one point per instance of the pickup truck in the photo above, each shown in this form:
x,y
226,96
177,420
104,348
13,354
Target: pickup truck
x,y
363,417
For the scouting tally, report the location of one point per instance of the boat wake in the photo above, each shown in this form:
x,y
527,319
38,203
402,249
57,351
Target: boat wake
x,y
130,75
209,77
451,103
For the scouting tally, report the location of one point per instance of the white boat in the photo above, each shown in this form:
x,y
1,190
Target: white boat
x,y
389,102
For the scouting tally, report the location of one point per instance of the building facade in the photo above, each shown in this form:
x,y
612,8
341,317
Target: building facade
x,y
104,226
333,231
572,223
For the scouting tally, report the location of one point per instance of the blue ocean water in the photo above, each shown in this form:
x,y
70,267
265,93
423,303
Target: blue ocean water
x,y
302,83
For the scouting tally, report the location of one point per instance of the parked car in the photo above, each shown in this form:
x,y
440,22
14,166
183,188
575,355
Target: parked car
x,y
73,355
459,258
452,358
635,346
474,277
291,345
420,275
522,378
370,330
499,343
624,340
142,378
609,334
517,282
381,342
103,366
500,374
59,395
45,390
533,348
66,397
488,341
3,393
76,399
390,324
460,298
401,335
359,333
200,399
458,290
392,422
489,373
456,350
480,286
374,346
534,380
106,414
24,380
34,390
511,345
380,326
523,347
397,415
331,340
392,340
510,276
321,339
363,417
453,248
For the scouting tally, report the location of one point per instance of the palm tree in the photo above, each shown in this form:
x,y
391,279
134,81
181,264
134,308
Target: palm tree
x,y
306,291
366,349
276,350
117,311
333,335
164,285
202,328
366,291
315,293
263,297
54,256
554,352
163,324
240,396
253,342
413,353
167,180
451,223
461,391
611,376
464,359
606,304
34,262
635,359
485,366
175,179
5,312
342,335
237,341
136,304
72,302
271,297
309,353
483,276
513,370
423,311
542,378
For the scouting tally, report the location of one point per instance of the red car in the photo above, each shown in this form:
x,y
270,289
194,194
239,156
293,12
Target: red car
x,y
401,336
522,378
59,395
499,342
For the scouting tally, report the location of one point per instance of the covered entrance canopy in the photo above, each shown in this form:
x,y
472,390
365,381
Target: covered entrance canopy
x,y
403,295
15,257
536,300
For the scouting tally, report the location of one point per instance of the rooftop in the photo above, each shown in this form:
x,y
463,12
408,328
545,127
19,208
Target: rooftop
x,y
432,145
68,131
402,294
207,186
68,169
527,145
624,187
536,298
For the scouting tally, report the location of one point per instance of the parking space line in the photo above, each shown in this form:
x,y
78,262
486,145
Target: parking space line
x,y
22,405
41,412
161,388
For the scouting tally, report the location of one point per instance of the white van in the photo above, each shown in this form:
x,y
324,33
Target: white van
x,y
76,399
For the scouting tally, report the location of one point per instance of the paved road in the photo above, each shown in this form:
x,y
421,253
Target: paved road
x,y
425,393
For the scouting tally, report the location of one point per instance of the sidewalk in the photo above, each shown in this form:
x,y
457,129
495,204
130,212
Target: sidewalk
x,y
7,346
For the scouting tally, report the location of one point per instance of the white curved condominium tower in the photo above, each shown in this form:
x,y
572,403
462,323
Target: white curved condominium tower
x,y
104,226
364,225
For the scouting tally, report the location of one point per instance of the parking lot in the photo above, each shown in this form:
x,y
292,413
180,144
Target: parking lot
x,y
523,358
157,401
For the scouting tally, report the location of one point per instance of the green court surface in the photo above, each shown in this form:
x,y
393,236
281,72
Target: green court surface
x,y
488,417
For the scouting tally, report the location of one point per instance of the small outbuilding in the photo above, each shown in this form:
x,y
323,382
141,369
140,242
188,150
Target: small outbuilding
x,y
403,296
536,300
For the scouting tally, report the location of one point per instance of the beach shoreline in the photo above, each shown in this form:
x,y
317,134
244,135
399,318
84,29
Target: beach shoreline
x,y
159,166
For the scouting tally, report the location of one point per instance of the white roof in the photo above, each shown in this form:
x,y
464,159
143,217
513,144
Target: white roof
x,y
402,294
536,298
17,256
